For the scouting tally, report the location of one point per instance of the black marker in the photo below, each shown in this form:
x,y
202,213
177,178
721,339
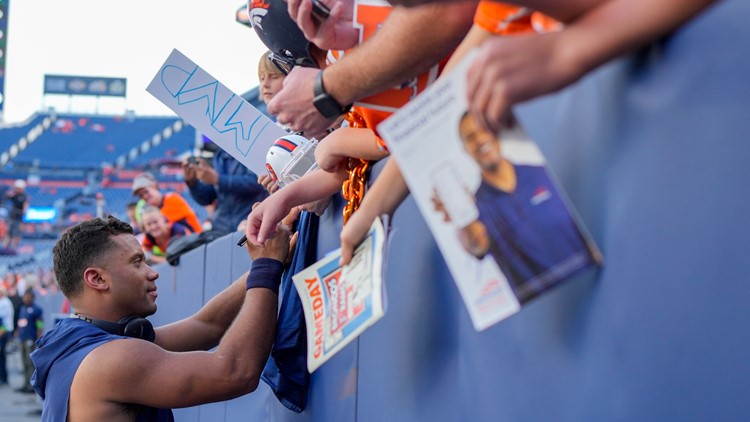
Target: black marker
x,y
242,240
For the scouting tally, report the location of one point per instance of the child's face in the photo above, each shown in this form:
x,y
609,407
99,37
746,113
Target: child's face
x,y
270,85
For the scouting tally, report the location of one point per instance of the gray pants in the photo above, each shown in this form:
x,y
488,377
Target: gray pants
x,y
27,346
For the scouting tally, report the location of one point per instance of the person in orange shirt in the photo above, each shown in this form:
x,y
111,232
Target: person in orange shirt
x,y
171,204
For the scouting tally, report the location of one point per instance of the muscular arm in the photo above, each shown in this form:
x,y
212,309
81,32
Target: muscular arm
x,y
205,328
410,42
135,371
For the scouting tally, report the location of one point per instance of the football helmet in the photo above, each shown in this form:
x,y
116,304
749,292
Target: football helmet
x,y
282,36
290,158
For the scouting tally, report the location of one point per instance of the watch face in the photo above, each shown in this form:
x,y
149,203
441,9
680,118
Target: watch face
x,y
326,105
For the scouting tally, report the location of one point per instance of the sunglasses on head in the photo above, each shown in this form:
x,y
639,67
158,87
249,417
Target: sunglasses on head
x,y
286,64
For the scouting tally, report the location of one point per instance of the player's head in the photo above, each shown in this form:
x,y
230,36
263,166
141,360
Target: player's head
x,y
82,246
282,36
482,145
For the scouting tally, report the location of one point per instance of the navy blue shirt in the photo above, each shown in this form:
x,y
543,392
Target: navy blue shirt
x,y
533,237
28,318
56,361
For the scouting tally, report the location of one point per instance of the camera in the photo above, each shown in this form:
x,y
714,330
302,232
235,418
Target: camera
x,y
193,160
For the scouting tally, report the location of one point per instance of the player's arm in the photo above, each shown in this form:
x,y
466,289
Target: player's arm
x,y
204,329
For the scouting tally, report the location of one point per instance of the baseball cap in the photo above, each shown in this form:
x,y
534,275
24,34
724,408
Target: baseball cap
x,y
143,180
19,183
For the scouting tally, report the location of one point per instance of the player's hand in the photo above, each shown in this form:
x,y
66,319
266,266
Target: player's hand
x,y
263,219
279,247
337,32
508,70
293,105
268,183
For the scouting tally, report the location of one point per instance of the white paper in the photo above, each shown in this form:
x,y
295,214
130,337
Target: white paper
x,y
341,303
223,116
427,141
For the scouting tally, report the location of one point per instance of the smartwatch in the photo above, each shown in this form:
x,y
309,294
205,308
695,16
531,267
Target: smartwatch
x,y
325,103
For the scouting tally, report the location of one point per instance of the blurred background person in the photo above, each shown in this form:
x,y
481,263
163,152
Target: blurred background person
x,y
227,184
30,327
171,204
159,231
6,314
18,205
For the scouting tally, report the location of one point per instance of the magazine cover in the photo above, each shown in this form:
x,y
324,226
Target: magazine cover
x,y
223,116
340,303
503,224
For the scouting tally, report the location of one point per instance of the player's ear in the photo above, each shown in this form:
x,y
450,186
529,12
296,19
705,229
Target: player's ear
x,y
92,277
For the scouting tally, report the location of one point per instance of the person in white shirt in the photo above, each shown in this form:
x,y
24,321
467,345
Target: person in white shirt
x,y
6,313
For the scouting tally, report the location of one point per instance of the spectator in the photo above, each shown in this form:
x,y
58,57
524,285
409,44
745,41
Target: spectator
x,y
271,80
132,219
18,205
232,186
158,232
6,314
171,204
29,329
270,77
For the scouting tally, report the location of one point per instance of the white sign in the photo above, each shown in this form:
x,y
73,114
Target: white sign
x,y
223,116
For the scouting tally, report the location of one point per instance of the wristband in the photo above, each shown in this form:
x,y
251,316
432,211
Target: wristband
x,y
266,273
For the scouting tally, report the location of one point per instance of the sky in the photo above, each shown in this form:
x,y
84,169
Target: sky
x,y
122,39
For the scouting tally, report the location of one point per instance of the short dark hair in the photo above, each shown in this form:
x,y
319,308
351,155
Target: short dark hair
x,y
80,247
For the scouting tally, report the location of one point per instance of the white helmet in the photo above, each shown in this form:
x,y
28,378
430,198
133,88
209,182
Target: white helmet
x,y
290,158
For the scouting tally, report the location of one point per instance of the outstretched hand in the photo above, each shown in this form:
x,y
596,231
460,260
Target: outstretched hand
x,y
263,220
279,247
508,70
